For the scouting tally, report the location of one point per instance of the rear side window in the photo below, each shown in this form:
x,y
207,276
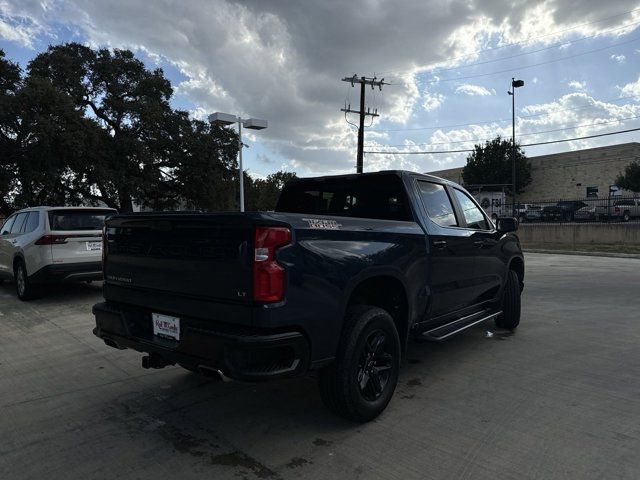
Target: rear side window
x,y
32,222
473,216
17,225
380,197
437,203
6,227
68,220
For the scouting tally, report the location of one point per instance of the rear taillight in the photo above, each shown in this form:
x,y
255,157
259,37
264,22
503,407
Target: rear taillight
x,y
268,274
616,209
52,240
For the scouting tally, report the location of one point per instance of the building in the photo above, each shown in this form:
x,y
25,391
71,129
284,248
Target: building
x,y
576,174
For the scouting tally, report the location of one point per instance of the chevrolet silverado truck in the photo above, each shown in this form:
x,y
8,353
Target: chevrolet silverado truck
x,y
334,283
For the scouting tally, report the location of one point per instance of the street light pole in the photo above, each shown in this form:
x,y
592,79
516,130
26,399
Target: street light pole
x,y
514,84
220,118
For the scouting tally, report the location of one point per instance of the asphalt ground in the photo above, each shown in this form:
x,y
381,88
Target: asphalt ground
x,y
560,398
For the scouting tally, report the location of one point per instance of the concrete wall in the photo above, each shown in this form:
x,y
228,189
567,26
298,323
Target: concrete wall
x,y
570,235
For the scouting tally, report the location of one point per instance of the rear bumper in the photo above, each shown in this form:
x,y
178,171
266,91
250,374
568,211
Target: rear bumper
x,y
241,353
68,272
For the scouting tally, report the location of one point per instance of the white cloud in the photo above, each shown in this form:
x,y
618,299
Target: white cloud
x,y
432,101
576,85
474,90
618,58
283,61
630,89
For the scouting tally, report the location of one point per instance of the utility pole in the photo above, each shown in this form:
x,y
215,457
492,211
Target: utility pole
x,y
363,81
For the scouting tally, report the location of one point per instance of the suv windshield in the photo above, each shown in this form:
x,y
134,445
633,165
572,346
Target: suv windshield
x,y
67,220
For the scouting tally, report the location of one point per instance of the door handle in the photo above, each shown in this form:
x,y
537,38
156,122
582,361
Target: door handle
x,y
440,243
479,243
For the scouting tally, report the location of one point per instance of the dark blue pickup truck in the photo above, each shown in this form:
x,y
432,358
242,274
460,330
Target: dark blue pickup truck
x,y
335,281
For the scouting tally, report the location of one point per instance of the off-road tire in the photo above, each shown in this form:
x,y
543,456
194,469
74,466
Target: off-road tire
x,y
341,382
510,317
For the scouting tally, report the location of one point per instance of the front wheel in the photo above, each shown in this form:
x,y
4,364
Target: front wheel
x,y
510,317
360,382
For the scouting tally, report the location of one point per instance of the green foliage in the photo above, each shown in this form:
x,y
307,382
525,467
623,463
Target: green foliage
x,y
630,179
262,195
491,164
90,126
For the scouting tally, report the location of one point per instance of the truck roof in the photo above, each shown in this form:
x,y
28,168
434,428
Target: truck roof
x,y
399,173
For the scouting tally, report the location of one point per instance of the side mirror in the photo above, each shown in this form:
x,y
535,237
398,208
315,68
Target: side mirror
x,y
506,224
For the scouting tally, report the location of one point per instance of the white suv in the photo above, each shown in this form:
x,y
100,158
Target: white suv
x,y
44,244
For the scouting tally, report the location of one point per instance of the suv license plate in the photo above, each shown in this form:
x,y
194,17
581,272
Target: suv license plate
x,y
94,246
166,326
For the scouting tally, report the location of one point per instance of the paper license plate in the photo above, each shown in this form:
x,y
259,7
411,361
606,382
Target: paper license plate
x,y
93,246
166,326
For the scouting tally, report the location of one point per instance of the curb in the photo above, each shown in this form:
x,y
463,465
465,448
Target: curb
x,y
582,253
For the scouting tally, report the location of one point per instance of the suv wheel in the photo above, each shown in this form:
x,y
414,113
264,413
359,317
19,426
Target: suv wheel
x,y
360,382
24,288
510,317
625,216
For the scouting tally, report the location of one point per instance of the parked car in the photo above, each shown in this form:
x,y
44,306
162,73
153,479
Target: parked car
x,y
526,212
335,281
585,214
51,244
562,211
623,209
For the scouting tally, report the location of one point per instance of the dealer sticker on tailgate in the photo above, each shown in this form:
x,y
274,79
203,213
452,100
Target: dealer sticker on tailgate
x,y
166,326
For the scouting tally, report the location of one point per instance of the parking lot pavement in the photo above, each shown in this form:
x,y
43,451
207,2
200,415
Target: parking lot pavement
x,y
560,398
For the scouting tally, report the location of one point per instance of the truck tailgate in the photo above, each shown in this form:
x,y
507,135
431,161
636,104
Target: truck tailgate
x,y
195,256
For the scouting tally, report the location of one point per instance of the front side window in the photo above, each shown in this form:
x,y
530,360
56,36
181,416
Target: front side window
x,y
6,227
472,214
437,203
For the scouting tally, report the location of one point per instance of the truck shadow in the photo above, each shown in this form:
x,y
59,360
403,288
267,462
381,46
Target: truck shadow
x,y
220,423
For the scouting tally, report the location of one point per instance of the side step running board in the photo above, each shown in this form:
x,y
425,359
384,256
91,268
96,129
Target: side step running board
x,y
458,325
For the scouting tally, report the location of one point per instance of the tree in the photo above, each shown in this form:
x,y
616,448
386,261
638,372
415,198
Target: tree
x,y
491,164
85,126
630,179
148,152
264,194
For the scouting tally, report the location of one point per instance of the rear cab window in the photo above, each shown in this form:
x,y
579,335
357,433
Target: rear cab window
x,y
379,197
73,220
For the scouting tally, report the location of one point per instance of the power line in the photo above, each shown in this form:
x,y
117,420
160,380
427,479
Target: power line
x,y
571,127
497,120
523,145
522,42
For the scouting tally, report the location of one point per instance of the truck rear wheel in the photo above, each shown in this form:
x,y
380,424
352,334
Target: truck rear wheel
x,y
510,317
359,384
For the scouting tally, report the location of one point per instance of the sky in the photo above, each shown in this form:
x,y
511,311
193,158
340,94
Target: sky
x,y
449,64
